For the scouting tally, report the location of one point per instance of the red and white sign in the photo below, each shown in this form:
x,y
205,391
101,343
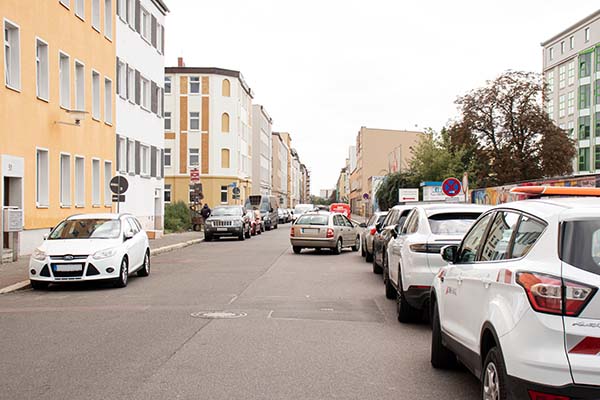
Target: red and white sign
x,y
451,187
195,175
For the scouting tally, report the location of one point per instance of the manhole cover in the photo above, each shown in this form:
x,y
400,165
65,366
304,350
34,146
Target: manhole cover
x,y
218,314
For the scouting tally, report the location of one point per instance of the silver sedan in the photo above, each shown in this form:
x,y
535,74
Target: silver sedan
x,y
322,229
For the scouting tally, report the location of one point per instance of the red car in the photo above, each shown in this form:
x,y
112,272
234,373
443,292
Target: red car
x,y
341,208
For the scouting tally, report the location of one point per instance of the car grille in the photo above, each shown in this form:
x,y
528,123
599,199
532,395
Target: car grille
x,y
68,257
222,223
67,274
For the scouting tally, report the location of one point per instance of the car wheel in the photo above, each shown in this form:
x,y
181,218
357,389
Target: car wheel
x,y
338,247
376,268
390,290
241,236
362,249
406,312
493,376
121,281
356,244
145,270
441,357
208,237
368,256
297,249
248,235
37,285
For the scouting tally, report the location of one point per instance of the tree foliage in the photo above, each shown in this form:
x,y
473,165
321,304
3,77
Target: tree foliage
x,y
387,194
177,217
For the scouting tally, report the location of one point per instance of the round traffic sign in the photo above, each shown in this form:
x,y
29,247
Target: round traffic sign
x,y
119,184
366,196
235,190
451,187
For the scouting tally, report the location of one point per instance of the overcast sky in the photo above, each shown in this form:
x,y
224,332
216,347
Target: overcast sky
x,y
325,68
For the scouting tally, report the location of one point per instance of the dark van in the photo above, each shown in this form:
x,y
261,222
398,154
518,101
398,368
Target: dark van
x,y
268,207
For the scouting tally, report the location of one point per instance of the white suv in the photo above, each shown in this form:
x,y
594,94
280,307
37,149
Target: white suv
x,y
518,303
413,256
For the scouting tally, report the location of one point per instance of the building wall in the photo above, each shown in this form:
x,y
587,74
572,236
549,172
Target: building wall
x,y
261,150
33,120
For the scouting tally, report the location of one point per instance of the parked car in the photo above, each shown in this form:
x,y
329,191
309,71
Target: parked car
x,y
518,302
393,223
301,209
372,226
268,207
413,255
90,247
290,214
322,229
341,208
229,221
282,215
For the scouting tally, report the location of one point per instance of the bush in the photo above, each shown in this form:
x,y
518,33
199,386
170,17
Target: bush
x,y
177,217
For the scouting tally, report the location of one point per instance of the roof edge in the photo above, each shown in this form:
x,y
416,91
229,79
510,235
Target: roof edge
x,y
576,25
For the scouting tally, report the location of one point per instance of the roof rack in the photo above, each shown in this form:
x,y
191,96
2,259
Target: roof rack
x,y
538,191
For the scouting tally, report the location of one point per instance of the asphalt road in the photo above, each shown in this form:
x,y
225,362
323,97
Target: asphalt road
x,y
318,326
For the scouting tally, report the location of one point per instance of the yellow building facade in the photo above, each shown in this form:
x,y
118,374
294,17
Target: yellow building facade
x,y
59,57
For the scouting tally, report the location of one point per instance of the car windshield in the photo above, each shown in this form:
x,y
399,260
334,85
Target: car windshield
x,y
226,212
452,223
580,244
313,220
303,209
91,228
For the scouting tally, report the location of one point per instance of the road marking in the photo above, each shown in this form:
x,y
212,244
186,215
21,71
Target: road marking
x,y
270,314
233,299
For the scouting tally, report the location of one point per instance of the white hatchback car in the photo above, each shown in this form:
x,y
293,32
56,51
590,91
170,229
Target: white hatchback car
x,y
518,302
91,247
413,256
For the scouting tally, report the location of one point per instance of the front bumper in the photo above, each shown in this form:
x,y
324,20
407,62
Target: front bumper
x,y
313,243
224,231
49,270
520,389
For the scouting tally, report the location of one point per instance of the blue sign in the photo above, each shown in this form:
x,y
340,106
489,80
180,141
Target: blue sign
x,y
451,187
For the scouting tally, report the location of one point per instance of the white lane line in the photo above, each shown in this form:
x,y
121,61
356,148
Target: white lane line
x,y
233,299
270,313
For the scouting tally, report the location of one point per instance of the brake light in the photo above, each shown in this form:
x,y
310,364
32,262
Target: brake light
x,y
329,232
550,294
373,231
533,395
432,248
292,232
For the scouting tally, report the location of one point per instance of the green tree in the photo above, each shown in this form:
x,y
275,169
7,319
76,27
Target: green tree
x,y
387,194
177,217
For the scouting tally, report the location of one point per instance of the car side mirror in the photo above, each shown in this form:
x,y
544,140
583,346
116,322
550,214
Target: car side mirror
x,y
362,225
128,235
449,253
46,236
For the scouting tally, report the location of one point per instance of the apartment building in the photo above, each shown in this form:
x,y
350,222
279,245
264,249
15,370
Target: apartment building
x,y
208,114
140,45
262,126
280,169
57,98
305,184
571,67
372,150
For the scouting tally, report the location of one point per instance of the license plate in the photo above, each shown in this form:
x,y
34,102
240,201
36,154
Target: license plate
x,y
310,230
67,267
221,229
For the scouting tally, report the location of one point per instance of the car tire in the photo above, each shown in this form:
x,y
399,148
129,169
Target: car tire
x,y
267,227
241,237
39,285
297,249
390,290
493,376
376,268
441,356
208,237
145,270
368,256
406,312
121,281
357,244
248,233
338,247
362,249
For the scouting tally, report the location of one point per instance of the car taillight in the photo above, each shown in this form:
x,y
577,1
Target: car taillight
x,y
373,231
433,248
329,232
292,231
533,395
550,294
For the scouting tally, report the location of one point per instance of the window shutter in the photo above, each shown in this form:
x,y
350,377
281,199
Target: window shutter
x,y
127,16
153,32
153,161
127,166
153,98
138,165
127,94
162,37
138,12
119,161
162,163
138,87
118,78
162,103
119,7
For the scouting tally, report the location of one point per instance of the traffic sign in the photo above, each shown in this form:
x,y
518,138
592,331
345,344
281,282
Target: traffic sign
x,y
451,187
195,175
366,196
236,190
119,198
118,185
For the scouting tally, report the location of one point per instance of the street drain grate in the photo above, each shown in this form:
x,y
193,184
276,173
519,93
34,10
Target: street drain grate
x,y
218,315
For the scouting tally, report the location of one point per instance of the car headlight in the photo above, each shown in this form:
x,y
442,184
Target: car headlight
x,y
237,223
208,223
38,255
106,253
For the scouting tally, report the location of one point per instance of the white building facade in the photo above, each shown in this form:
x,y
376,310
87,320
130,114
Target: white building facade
x,y
262,155
140,35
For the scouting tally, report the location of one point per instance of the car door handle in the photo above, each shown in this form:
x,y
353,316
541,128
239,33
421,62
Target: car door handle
x,y
486,282
459,280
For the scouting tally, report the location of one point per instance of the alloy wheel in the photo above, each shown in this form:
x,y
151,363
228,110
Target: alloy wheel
x,y
124,274
491,386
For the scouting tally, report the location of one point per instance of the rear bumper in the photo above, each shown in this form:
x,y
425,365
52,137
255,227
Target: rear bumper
x,y
418,296
520,389
313,243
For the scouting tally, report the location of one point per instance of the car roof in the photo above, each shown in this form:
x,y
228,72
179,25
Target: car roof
x,y
98,216
431,209
550,206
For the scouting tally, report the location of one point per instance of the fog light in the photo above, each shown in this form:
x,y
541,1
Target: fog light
x,y
32,271
110,270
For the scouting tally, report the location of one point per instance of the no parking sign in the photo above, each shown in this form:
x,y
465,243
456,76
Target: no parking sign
x,y
451,187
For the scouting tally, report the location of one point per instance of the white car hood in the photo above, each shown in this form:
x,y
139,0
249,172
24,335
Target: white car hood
x,y
59,247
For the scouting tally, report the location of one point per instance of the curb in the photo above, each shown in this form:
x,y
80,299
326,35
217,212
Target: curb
x,y
161,250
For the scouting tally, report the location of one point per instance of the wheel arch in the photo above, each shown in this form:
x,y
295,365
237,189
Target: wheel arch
x,y
487,340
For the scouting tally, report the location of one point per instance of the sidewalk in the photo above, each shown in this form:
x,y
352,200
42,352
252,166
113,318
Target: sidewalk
x,y
15,276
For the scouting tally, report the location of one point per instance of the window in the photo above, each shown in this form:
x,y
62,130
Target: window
x,y
562,77
108,18
95,182
65,180
121,79
167,120
497,243
122,9
584,159
167,157
550,108
472,242
96,95
80,8
226,90
586,33
145,160
585,65
108,101
107,178
584,96
122,154
194,121
527,234
79,86
597,59
41,68
224,194
192,194
130,84
597,127
584,128
167,193
225,122
551,53
79,182
597,157
131,156
597,92
224,158
194,84
572,42
159,39
131,13
145,93
562,47
167,85
562,110
42,177
64,77
194,157
571,72
550,80
571,129
96,14
145,24
571,103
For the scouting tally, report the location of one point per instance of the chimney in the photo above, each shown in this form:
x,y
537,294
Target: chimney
x,y
180,62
